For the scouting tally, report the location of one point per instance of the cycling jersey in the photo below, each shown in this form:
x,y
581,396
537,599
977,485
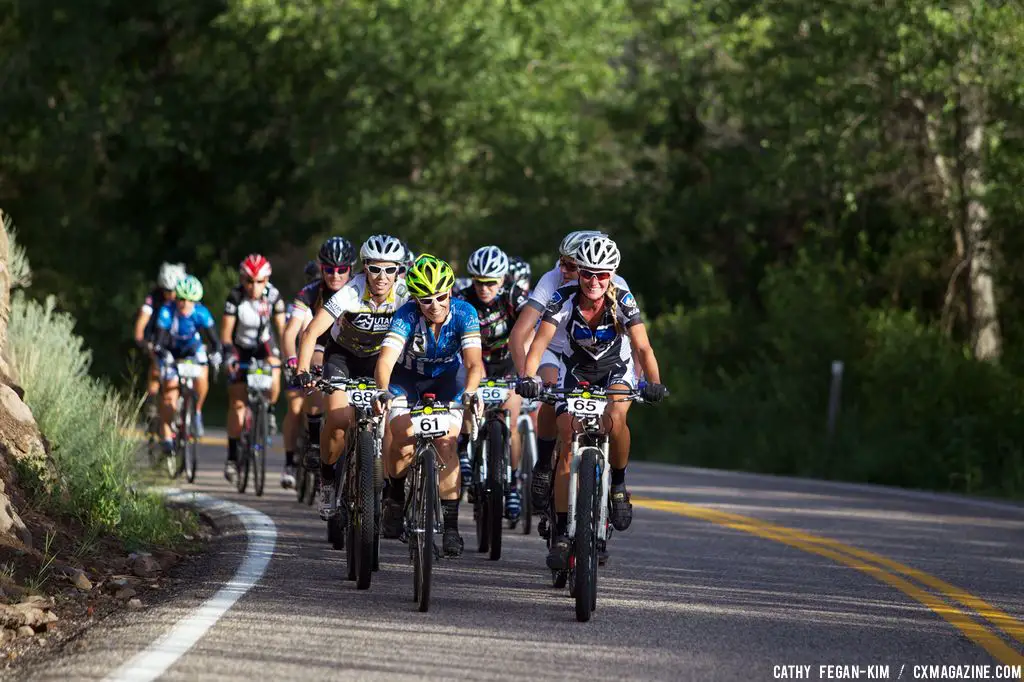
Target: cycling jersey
x,y
421,352
185,336
600,346
308,302
252,317
496,321
359,323
541,295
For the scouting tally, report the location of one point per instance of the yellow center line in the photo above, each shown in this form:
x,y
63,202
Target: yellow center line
x,y
841,553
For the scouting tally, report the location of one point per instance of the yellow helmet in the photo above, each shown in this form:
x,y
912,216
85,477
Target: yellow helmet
x,y
429,275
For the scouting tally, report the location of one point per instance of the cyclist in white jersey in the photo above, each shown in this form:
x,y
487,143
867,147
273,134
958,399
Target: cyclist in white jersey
x,y
358,317
551,367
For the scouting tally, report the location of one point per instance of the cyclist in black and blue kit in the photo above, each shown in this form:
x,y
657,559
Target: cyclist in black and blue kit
x,y
184,330
497,306
145,325
430,338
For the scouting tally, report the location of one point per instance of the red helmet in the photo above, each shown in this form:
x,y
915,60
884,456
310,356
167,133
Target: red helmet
x,y
255,266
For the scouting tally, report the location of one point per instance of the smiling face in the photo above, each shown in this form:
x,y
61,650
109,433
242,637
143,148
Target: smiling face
x,y
335,277
380,276
435,308
594,284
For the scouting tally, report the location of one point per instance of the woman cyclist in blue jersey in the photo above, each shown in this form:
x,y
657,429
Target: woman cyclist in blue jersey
x,y
429,339
184,330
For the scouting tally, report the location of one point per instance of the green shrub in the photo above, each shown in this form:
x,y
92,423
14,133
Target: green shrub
x,y
86,423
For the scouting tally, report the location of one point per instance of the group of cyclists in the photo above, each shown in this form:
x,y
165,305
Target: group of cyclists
x,y
409,323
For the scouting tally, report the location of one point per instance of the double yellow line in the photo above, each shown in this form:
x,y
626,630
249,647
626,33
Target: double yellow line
x,y
881,568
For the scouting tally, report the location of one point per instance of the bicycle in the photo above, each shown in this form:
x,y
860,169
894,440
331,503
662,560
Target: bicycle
x,y
183,456
589,485
423,515
307,477
491,461
255,437
355,525
528,456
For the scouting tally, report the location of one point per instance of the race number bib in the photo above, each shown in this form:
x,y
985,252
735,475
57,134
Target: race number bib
x,y
362,393
431,422
494,392
259,382
586,404
189,370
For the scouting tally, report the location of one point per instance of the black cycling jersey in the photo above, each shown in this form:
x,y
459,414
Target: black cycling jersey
x,y
496,320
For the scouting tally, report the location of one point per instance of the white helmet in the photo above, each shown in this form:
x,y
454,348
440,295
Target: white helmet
x,y
170,275
572,240
597,253
382,247
488,261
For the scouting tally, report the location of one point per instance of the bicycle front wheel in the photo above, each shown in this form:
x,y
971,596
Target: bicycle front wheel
x,y
497,444
261,436
425,510
191,444
585,540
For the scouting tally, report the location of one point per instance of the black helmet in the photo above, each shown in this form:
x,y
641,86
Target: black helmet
x,y
518,270
312,271
337,251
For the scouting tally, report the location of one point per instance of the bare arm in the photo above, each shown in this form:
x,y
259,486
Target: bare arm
x,y
279,322
519,337
291,333
140,324
385,365
473,359
227,328
541,341
644,353
321,323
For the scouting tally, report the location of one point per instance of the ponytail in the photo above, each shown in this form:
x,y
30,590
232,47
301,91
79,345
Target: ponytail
x,y
612,296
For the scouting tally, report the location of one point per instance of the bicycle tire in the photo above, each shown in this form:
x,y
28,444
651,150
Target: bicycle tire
x,y
479,486
362,520
426,508
497,445
261,428
585,540
244,453
378,490
300,464
528,451
191,446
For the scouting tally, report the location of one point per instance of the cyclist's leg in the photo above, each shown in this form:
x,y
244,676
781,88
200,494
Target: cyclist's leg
x,y
273,356
292,424
558,555
448,387
513,503
398,453
237,399
169,404
618,448
551,372
336,420
313,406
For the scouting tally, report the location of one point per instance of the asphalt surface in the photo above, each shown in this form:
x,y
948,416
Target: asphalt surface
x,y
699,588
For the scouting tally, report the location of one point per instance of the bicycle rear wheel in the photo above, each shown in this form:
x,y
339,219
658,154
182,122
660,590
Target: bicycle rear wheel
x,y
585,540
527,446
191,445
244,452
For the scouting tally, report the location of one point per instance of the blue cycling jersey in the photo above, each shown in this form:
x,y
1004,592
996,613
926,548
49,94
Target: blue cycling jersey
x,y
184,331
424,354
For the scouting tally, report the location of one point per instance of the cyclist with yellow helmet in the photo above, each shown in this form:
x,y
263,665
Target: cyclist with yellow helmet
x,y
430,338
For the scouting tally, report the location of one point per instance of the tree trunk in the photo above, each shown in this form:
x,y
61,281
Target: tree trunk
x,y
986,338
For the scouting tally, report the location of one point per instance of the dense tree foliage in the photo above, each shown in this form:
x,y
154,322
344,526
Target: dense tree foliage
x,y
790,184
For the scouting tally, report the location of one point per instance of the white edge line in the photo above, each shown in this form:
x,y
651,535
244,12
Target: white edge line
x,y
155,659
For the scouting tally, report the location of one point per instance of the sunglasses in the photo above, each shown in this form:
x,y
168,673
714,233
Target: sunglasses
x,y
487,282
567,265
600,276
439,298
339,270
386,269
247,281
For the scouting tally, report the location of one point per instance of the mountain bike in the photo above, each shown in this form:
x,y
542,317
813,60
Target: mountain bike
x,y
255,437
423,515
589,485
307,466
528,456
184,456
355,525
490,456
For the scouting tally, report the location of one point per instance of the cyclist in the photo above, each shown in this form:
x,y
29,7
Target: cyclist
x,y
497,307
407,261
599,317
249,311
421,354
336,257
519,340
357,318
184,330
518,273
145,323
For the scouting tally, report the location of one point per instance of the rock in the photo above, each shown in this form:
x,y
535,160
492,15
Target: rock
x,y
25,631
18,410
5,635
135,603
145,566
11,523
124,593
81,581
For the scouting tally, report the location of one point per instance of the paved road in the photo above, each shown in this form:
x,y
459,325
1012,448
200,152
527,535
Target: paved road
x,y
721,577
